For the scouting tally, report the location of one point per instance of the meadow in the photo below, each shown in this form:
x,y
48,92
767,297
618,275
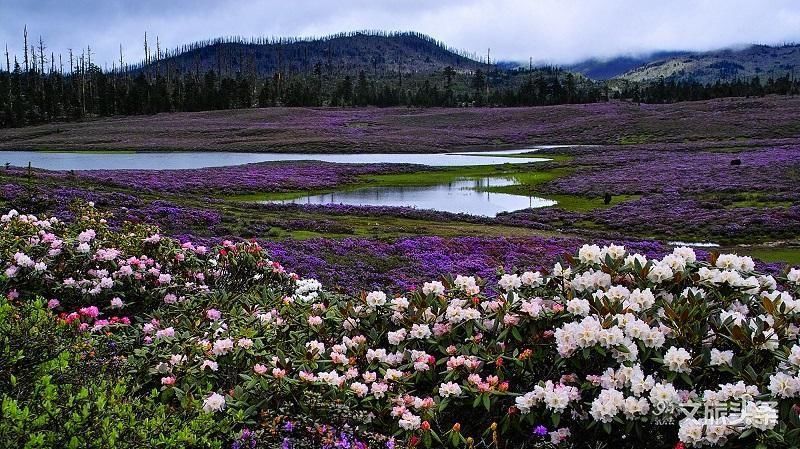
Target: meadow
x,y
735,121
181,308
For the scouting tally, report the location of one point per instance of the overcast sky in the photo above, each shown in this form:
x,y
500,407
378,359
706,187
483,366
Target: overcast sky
x,y
557,31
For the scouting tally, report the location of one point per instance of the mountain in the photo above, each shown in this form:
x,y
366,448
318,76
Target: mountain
x,y
727,65
376,53
603,69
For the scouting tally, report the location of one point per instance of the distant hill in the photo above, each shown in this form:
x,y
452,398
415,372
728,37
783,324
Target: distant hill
x,y
376,53
603,69
726,65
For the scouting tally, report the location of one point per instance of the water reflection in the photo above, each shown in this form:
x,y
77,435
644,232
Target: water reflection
x,y
469,196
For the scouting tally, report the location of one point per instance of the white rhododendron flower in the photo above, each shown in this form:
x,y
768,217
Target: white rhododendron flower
x,y
509,282
607,405
409,421
214,402
307,290
660,272
449,389
615,252
794,276
589,254
720,358
376,299
677,360
531,278
435,287
420,331
578,307
222,347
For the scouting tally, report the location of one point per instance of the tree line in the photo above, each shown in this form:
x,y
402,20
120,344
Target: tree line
x,y
672,91
33,96
42,88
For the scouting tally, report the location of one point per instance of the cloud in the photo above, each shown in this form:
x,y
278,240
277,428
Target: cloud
x,y
557,31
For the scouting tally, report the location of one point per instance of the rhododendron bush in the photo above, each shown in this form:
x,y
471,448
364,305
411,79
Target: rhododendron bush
x,y
608,346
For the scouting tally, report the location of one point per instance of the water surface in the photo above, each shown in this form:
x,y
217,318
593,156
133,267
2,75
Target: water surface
x,y
467,196
202,159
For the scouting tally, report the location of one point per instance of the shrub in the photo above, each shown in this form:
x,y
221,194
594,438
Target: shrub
x,y
60,387
606,347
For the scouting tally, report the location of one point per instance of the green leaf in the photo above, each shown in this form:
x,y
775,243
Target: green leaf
x,y
426,439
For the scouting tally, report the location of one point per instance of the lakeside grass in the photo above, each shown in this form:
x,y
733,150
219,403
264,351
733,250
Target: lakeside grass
x,y
744,199
789,255
527,179
422,178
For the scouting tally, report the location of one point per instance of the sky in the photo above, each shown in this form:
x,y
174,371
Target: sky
x,y
552,31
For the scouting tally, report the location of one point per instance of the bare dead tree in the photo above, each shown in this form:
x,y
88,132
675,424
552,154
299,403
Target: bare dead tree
x,y
146,50
83,81
25,37
89,67
41,54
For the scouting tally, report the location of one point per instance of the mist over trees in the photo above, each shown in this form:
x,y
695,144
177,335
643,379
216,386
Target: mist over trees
x,y
344,70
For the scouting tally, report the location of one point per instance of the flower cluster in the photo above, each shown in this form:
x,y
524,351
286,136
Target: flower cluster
x,y
605,340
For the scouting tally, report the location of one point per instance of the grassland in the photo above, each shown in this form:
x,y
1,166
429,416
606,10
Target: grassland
x,y
725,123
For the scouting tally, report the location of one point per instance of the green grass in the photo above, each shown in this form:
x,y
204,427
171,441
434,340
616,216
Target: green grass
x,y
727,149
745,199
439,176
788,255
758,201
576,203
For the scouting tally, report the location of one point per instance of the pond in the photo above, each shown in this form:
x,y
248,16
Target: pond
x,y
468,196
200,159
